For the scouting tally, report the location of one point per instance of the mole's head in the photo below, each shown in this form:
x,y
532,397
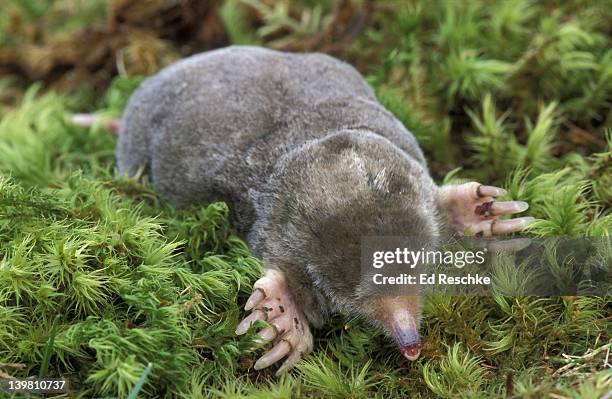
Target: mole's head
x,y
341,189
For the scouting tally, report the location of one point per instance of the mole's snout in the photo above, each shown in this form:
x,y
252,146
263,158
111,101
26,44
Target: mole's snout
x,y
405,330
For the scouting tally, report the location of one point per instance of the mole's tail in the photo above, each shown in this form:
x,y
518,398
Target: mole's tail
x,y
88,120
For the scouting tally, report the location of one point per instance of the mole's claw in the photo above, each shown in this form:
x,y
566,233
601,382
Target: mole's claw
x,y
498,227
510,225
289,362
508,207
268,334
489,191
244,325
256,297
275,354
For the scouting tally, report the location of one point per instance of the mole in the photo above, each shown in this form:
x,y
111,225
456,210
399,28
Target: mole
x,y
309,162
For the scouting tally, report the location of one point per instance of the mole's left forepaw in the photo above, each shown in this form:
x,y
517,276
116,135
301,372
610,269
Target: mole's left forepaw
x,y
473,210
271,301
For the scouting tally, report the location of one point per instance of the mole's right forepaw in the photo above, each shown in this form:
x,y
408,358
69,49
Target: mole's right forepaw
x,y
271,301
474,210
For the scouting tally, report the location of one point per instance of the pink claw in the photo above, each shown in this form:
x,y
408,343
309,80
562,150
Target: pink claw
x,y
274,355
489,191
257,296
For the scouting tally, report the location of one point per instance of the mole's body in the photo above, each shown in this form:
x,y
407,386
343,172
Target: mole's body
x,y
309,162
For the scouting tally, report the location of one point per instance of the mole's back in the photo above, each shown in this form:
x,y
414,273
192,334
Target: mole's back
x,y
212,126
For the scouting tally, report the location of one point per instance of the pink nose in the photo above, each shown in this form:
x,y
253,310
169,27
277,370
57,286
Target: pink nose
x,y
412,351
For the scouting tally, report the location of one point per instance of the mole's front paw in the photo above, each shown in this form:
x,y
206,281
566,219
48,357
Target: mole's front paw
x,y
473,210
271,301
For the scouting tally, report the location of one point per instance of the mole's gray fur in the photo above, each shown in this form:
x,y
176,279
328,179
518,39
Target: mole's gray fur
x,y
300,149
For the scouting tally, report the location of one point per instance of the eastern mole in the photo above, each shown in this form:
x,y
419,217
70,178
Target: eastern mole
x,y
308,162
